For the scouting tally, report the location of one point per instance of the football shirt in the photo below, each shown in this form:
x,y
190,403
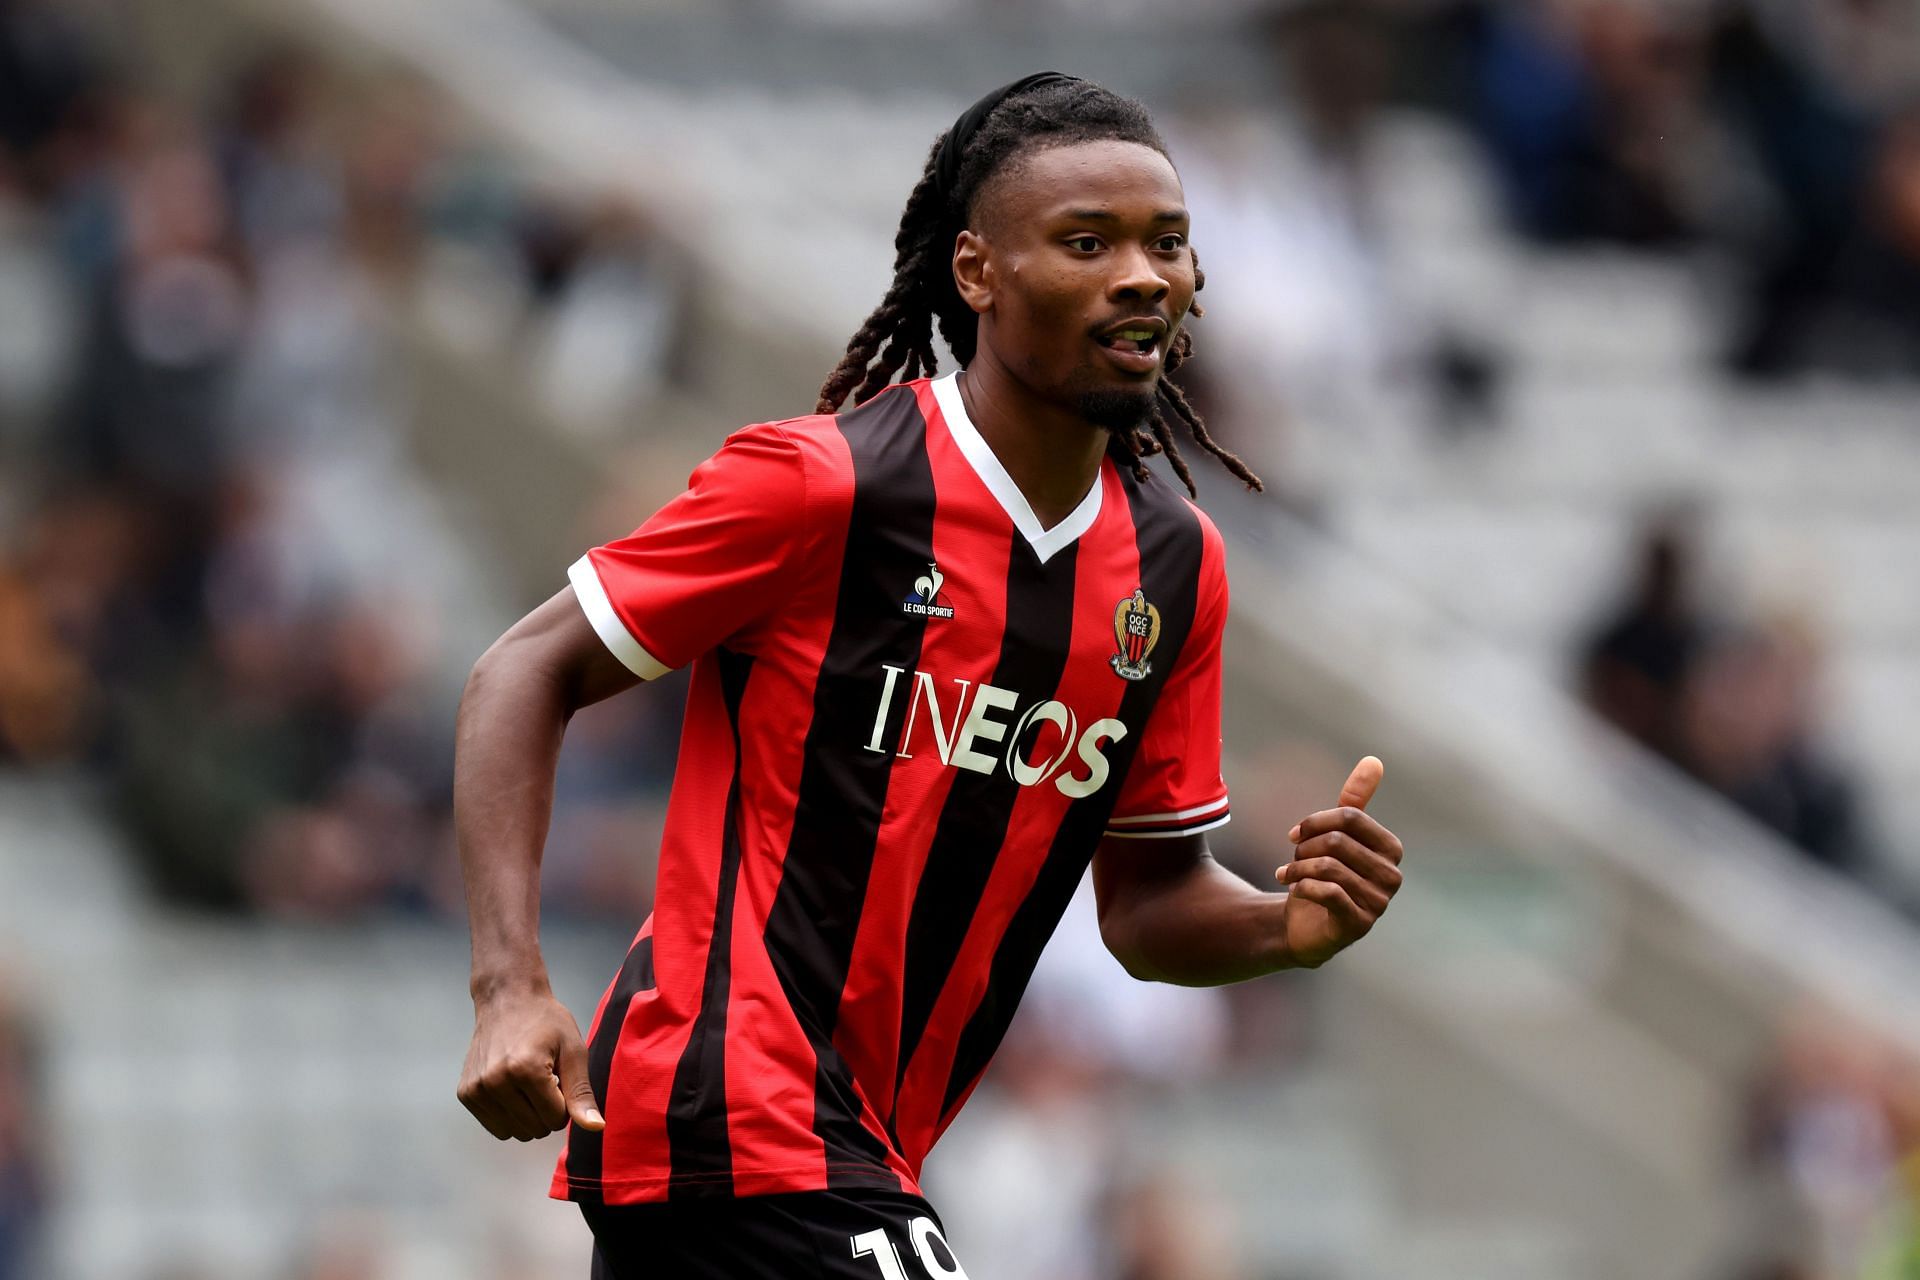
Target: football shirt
x,y
914,714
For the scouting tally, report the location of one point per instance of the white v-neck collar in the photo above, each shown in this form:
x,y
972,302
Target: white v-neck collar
x,y
980,456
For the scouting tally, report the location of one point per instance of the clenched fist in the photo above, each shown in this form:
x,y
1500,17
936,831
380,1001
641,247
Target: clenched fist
x,y
526,1071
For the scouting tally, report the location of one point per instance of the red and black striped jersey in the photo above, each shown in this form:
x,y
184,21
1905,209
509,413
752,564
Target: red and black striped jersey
x,y
914,714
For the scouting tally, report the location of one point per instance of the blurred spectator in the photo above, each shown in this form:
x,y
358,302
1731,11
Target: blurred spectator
x,y
1735,705
24,1189
1748,731
1162,1228
197,595
1868,324
608,335
274,152
48,66
1778,130
1895,1252
42,681
1635,665
1595,113
1820,95
166,321
1831,1156
1311,332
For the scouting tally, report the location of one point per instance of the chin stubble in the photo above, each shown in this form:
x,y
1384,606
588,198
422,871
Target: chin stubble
x,y
1117,409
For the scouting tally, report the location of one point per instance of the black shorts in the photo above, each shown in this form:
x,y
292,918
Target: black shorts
x,y
803,1235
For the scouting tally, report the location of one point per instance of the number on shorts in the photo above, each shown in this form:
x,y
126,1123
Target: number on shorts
x,y
924,1233
875,1244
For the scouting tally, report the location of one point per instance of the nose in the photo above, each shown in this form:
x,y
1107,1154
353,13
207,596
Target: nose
x,y
1137,277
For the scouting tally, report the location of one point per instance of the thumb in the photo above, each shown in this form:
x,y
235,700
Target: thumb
x,y
575,1085
1363,782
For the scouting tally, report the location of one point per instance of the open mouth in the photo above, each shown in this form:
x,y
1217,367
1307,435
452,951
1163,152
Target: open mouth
x,y
1143,341
1136,348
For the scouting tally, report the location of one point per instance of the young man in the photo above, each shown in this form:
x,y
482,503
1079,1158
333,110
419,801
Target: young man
x,y
948,646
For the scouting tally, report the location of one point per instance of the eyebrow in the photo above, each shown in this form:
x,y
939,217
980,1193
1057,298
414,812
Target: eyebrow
x,y
1108,215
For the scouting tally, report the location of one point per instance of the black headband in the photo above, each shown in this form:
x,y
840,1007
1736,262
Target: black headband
x,y
946,168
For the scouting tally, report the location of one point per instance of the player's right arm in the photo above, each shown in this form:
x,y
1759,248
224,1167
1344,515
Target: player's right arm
x,y
703,570
526,1069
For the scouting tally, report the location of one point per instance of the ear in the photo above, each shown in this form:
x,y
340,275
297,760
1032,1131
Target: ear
x,y
973,272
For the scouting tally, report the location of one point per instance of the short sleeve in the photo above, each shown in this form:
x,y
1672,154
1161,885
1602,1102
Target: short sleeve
x,y
1174,786
705,566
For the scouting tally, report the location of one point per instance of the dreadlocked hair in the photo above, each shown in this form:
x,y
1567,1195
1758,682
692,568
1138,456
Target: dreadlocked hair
x,y
897,339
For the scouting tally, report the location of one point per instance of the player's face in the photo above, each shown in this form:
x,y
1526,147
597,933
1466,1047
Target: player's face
x,y
1081,273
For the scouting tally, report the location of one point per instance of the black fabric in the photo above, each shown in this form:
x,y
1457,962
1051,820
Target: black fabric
x,y
697,1105
1171,546
584,1145
842,791
979,807
803,1235
946,169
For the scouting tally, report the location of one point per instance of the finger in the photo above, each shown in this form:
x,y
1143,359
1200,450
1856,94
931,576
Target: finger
x,y
517,1115
575,1085
1358,823
510,1085
482,1108
549,1106
531,1125
1327,894
1366,894
1366,867
1358,788
1363,782
500,1108
1338,845
539,1090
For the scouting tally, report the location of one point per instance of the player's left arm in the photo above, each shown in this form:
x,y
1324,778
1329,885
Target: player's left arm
x,y
1170,913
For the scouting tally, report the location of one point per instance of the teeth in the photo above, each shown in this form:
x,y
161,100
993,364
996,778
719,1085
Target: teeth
x,y
1137,335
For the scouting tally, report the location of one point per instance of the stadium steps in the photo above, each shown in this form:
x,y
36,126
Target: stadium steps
x,y
1808,499
224,1094
1563,1020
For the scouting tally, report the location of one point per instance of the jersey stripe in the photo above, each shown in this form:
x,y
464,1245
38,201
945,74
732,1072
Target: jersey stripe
x,y
584,1146
699,1152
772,1060
867,1031
972,829
1170,544
1108,566
637,1153
842,791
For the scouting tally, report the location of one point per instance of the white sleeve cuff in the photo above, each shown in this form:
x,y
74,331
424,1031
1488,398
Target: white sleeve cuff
x,y
1183,822
607,625
1166,833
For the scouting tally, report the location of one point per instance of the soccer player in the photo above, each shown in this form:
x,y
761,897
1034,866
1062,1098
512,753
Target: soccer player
x,y
949,645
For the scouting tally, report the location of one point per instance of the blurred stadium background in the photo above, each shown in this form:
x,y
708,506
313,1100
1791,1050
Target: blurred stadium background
x,y
1577,339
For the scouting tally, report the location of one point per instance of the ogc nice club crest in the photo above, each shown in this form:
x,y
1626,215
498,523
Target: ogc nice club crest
x,y
1136,629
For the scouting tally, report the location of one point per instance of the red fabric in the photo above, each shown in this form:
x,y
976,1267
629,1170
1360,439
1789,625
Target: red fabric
x,y
1178,766
755,557
722,555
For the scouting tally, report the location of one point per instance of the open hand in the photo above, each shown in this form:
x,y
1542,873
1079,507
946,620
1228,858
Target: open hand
x,y
1345,870
526,1070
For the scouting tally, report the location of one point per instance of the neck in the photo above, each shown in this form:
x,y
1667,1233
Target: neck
x,y
1051,453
